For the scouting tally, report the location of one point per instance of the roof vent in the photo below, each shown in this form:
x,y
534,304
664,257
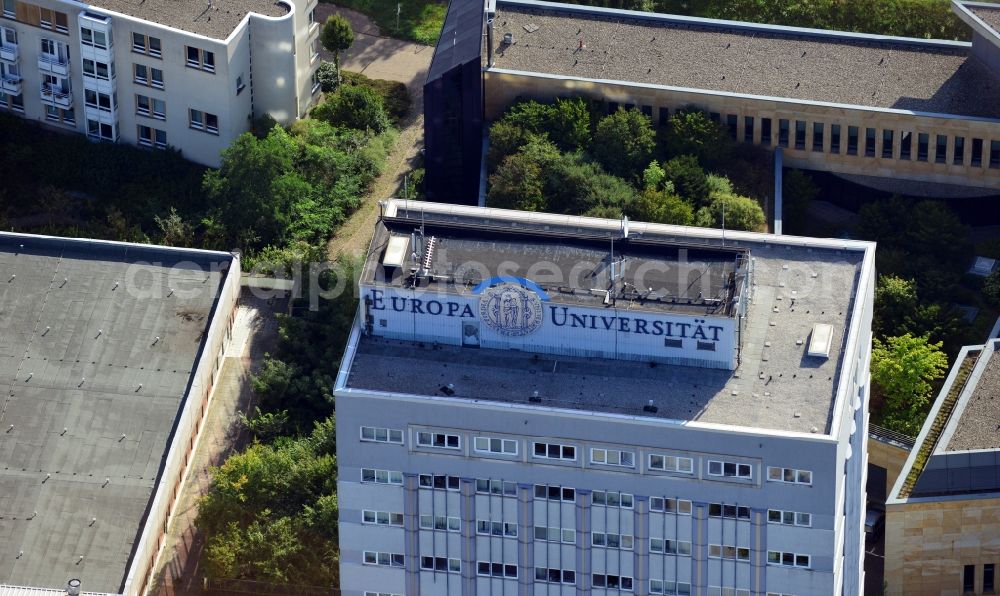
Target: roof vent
x,y
395,254
821,340
508,39
73,587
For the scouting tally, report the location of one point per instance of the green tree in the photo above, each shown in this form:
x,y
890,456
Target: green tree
x,y
902,370
688,178
692,132
175,231
354,106
660,206
653,176
735,212
624,143
569,124
518,184
895,302
506,138
991,288
336,36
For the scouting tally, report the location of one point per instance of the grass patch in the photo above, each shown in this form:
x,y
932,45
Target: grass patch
x,y
394,95
419,20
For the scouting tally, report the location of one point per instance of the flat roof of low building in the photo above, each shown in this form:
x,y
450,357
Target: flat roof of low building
x,y
97,346
976,423
214,18
796,284
745,58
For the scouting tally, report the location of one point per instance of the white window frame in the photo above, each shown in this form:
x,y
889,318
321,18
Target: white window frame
x,y
612,457
429,439
606,580
376,558
796,517
563,577
681,548
681,506
554,534
659,586
741,471
603,498
603,540
422,479
453,565
373,432
665,459
722,551
391,518
488,527
560,448
778,474
448,523
794,556
483,444
391,477
490,572
562,493
496,487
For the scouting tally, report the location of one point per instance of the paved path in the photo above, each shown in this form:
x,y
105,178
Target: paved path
x,y
382,58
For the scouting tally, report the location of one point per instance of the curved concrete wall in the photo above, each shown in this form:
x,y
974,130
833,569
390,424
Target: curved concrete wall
x,y
272,50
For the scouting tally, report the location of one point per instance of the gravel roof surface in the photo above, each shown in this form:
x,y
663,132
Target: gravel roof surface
x,y
722,58
979,425
195,16
990,15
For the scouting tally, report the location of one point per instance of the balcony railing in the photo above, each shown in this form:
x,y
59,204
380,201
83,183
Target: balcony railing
x,y
8,52
11,85
53,64
56,96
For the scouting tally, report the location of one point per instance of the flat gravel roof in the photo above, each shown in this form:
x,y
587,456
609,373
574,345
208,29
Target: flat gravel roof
x,y
90,397
991,16
211,18
737,58
978,425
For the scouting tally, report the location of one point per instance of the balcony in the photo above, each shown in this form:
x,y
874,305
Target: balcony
x,y
53,64
8,52
56,96
11,85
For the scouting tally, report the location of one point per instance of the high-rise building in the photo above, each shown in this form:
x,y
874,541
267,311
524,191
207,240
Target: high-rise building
x,y
189,74
545,404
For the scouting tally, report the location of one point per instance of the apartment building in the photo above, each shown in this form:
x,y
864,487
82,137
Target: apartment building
x,y
541,404
188,74
943,515
906,115
108,355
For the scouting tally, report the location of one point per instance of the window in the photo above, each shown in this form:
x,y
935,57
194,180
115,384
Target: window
x,y
800,134
564,535
977,153
669,588
372,476
240,85
555,576
670,547
941,151
787,559
765,131
818,136
381,435
94,38
147,75
495,487
677,506
969,578
59,115
721,551
490,569
495,528
9,10
495,445
664,119
869,142
730,469
612,582
555,451
731,123
440,522
612,457
852,140
383,559
99,130
905,145
835,138
619,541
789,475
789,518
923,143
381,518
748,129
9,37
611,499
441,564
887,140
97,100
555,493
729,511
199,120
150,106
439,482
783,132
959,157
995,154
201,59
98,70
146,44
989,577
671,463
438,440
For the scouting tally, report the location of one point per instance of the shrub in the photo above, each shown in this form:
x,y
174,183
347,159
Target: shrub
x,y
688,179
354,106
326,74
624,143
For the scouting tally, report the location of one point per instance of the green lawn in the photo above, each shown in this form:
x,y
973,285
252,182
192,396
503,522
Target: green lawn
x,y
419,20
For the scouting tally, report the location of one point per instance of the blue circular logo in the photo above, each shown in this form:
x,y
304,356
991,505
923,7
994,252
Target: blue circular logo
x,y
510,310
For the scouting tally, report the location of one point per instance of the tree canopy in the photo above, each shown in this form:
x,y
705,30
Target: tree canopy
x,y
902,370
336,36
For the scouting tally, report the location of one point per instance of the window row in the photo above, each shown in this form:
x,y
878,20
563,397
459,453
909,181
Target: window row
x,y
717,591
666,505
729,469
60,115
439,440
495,528
491,569
496,487
612,582
722,551
446,564
789,475
789,518
200,59
613,457
555,493
381,518
384,559
147,44
439,481
564,535
787,559
669,588
671,463
495,445
94,69
372,476
728,511
670,547
440,522
554,451
38,16
612,499
619,541
95,38
152,137
555,576
146,76
381,435
151,107
199,120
